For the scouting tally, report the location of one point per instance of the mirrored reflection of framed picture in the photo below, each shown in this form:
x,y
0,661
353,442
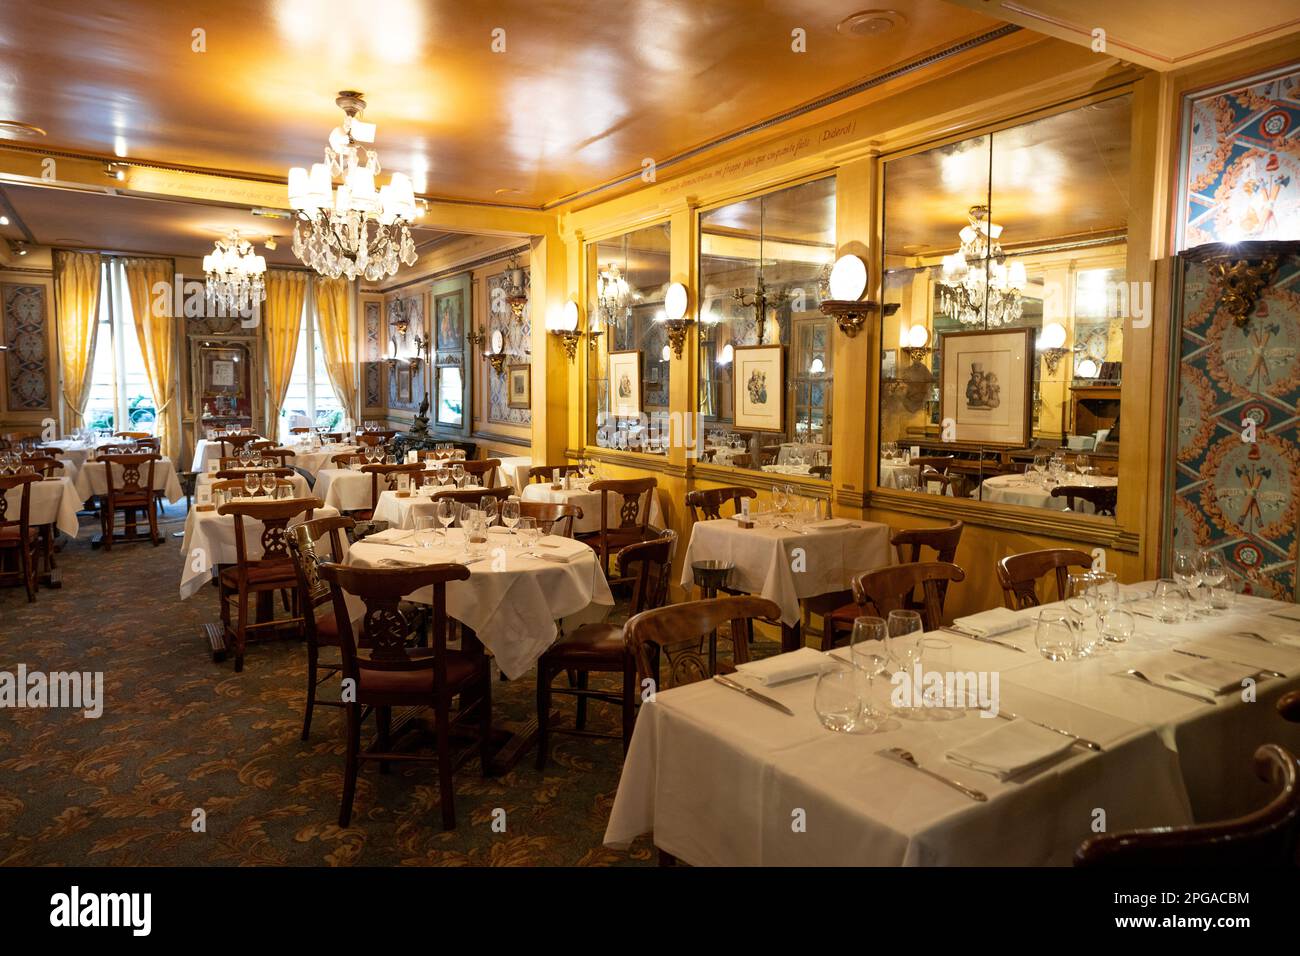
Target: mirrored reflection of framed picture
x,y
758,377
451,392
889,364
519,386
986,385
625,383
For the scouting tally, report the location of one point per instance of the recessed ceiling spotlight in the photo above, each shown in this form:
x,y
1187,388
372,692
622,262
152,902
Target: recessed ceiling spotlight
x,y
18,247
509,191
22,129
869,23
4,220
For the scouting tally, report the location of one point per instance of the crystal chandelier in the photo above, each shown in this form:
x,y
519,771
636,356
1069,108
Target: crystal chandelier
x,y
354,230
978,288
612,293
234,275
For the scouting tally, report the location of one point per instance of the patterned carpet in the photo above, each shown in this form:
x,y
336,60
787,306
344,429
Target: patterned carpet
x,y
179,733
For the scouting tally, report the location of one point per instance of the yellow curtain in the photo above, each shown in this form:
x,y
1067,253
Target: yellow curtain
x,y
155,329
334,329
76,294
286,293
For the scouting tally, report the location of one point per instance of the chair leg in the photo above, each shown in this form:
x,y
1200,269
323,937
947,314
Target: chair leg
x,y
312,660
581,719
107,520
544,677
485,720
446,787
629,703
350,765
241,630
384,723
29,575
154,535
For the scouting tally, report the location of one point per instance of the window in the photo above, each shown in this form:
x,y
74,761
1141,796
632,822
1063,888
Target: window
x,y
310,400
120,396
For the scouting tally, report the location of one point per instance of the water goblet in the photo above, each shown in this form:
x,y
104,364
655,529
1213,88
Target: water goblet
x,y
903,640
445,511
252,482
869,655
510,513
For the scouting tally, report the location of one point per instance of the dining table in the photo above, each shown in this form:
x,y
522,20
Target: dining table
x,y
400,508
311,458
1117,752
206,450
579,493
203,484
787,560
1016,489
90,479
53,501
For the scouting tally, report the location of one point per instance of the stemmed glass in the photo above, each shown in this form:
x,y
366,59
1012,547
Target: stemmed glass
x,y
780,498
1081,603
252,482
510,514
488,505
1187,571
1083,466
869,655
458,474
445,512
269,483
1040,467
903,641
1213,573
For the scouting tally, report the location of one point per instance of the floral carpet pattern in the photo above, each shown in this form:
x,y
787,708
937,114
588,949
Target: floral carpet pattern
x,y
181,734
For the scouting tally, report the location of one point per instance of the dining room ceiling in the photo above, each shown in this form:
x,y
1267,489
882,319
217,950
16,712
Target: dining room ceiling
x,y
512,102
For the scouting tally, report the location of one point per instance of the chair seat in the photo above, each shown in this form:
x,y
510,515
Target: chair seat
x,y
590,645
142,500
9,535
327,630
367,515
416,686
846,615
275,573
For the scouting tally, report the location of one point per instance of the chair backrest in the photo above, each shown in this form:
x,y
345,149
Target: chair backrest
x,y
42,464
385,627
275,515
282,454
939,463
548,473
116,449
132,435
909,542
374,438
710,500
239,489
768,454
892,588
471,497
302,539
232,443
743,460
1267,837
1103,500
300,430
635,509
136,477
20,516
1019,573
332,436
384,478
678,634
1288,705
347,458
552,517
238,473
484,470
649,565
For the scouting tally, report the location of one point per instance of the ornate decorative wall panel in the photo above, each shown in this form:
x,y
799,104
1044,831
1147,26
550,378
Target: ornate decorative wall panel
x,y
405,387
27,363
373,353
518,336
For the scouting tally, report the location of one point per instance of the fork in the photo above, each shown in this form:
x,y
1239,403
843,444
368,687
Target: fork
x,y
906,757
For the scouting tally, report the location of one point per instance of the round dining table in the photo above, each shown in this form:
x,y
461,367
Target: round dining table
x,y
589,501
1022,490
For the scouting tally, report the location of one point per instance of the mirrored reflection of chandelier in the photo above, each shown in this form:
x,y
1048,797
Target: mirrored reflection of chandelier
x,y
973,294
353,230
234,275
612,293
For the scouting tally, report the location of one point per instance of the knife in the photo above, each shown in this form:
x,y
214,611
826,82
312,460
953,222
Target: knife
x,y
986,640
1081,741
728,682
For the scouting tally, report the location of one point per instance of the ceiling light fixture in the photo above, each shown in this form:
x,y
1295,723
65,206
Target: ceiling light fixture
x,y
235,276
978,288
333,233
868,23
115,171
22,129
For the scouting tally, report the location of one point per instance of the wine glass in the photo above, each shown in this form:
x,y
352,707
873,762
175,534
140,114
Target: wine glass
x,y
446,512
458,474
1040,466
1213,573
869,655
510,514
1083,466
1187,571
903,642
780,498
488,506
269,483
252,482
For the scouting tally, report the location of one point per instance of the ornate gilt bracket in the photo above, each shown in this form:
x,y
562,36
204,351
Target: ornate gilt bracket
x,y
852,316
1241,271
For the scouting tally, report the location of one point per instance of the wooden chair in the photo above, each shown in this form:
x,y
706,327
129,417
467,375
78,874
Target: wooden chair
x,y
282,455
346,459
768,454
17,536
485,471
273,571
1288,705
384,478
1019,573
115,449
551,517
710,500
1268,837
300,430
471,497
743,460
821,471
546,474
134,494
313,592
231,444
332,437
134,436
42,465
633,516
601,648
677,634
387,673
374,438
1103,500
893,588
238,473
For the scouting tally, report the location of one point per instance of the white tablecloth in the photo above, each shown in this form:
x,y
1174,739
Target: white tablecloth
x,y
807,451
74,451
91,480
300,487
312,460
1019,490
769,563
890,470
589,502
1167,760
343,488
512,602
400,512
210,541
514,472
788,469
53,501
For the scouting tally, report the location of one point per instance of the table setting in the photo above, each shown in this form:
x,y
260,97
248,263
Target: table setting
x,y
579,493
90,479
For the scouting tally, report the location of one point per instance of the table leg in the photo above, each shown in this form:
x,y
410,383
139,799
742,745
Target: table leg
x,y
791,637
510,740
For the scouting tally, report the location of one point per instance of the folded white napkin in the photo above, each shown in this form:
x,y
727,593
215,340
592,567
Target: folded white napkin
x,y
830,524
498,529
558,557
1248,652
1010,749
1218,677
991,623
387,536
786,667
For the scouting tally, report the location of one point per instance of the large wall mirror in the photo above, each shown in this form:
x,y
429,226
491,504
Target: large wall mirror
x,y
765,348
629,363
1000,371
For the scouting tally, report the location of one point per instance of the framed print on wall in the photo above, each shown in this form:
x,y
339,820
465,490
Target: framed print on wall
x,y
625,383
758,380
449,319
986,382
519,386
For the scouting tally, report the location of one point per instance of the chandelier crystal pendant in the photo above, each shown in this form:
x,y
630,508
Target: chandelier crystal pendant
x,y
354,230
235,276
973,294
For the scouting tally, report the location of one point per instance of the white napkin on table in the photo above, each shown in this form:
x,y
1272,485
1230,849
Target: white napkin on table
x,y
1217,677
830,524
1285,659
991,623
786,667
1009,750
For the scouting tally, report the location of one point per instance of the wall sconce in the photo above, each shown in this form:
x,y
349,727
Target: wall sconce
x,y
496,355
517,294
914,342
421,349
115,171
565,325
676,301
1052,344
1240,271
477,337
848,280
